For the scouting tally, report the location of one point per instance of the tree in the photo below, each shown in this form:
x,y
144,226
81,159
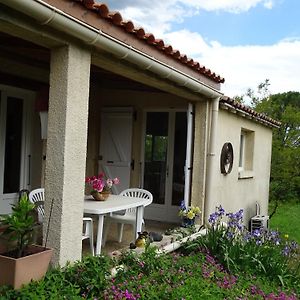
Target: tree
x,y
257,96
285,168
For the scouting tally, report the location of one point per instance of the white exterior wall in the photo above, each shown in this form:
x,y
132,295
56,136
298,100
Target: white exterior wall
x,y
230,191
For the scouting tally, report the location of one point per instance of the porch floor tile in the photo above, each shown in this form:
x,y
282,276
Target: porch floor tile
x,y
112,238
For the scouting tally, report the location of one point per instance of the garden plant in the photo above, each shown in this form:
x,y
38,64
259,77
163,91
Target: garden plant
x,y
227,263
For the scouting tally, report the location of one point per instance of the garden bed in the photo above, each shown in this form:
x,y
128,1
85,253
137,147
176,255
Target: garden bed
x,y
221,264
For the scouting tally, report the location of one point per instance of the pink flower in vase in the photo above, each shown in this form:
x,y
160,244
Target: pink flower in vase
x,y
109,183
116,181
99,183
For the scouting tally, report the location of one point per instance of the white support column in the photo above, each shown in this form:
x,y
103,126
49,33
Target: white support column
x,y
199,158
66,151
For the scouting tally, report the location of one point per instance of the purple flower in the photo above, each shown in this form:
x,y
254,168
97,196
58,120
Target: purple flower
x,y
286,250
256,233
182,205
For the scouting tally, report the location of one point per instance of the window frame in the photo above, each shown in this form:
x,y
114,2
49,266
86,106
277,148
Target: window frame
x,y
246,154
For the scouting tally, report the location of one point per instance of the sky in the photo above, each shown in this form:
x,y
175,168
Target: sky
x,y
244,41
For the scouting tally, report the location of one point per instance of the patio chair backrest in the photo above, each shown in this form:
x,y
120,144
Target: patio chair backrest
x,y
37,197
139,193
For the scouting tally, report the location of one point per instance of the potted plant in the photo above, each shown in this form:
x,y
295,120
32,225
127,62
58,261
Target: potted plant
x,y
24,261
101,187
188,215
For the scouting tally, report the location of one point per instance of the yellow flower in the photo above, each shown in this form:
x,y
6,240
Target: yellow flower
x,y
190,214
196,210
286,236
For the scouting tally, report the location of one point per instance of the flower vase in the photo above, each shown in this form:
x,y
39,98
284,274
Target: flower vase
x,y
186,222
100,196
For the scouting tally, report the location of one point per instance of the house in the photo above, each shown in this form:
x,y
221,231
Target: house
x,y
83,90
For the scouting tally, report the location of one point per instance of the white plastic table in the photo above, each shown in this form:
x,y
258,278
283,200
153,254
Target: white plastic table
x,y
112,204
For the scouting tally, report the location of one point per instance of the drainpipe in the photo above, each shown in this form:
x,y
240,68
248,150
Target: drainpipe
x,y
211,157
49,15
188,157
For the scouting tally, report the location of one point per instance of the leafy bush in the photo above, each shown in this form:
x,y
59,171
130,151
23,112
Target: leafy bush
x,y
260,252
82,280
193,272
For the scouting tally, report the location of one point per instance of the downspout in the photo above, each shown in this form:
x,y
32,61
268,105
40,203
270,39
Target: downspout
x,y
188,159
211,157
46,14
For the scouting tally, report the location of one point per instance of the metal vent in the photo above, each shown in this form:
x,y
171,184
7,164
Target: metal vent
x,y
259,222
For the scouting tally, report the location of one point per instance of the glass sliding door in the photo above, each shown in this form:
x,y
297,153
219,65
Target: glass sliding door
x,y
14,148
180,140
156,146
164,162
13,145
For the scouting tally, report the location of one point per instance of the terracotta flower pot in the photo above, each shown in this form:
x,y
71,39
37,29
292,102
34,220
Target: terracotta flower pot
x,y
100,196
19,271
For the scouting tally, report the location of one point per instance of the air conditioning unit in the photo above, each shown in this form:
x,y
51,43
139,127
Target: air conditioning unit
x,y
259,222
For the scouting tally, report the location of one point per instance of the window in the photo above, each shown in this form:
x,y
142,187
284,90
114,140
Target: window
x,y
246,154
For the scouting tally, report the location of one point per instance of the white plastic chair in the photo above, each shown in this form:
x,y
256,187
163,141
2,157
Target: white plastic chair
x,y
37,197
129,217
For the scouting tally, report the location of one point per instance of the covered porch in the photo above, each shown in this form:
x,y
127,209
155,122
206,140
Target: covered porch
x,y
103,94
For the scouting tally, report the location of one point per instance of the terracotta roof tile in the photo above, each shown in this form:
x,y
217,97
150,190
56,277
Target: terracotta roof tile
x,y
168,49
116,18
128,25
140,32
190,62
254,114
175,53
102,9
150,38
159,43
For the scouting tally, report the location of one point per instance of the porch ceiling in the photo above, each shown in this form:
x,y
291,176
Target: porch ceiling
x,y
21,52
53,27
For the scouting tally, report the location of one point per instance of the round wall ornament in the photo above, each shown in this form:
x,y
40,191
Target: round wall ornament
x,y
226,160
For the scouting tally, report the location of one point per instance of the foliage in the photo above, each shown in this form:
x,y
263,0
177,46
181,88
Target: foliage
x,y
262,252
20,224
243,266
255,96
100,184
83,280
285,169
287,219
186,274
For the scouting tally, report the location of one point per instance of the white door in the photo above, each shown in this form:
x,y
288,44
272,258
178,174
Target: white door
x,y
14,146
115,146
165,143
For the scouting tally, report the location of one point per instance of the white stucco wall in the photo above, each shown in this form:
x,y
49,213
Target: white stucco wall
x,y
230,191
66,151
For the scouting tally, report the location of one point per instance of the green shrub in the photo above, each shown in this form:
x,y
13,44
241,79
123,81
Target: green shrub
x,y
260,252
238,269
85,279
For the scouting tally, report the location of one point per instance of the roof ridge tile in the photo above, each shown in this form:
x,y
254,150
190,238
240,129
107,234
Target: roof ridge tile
x,y
250,111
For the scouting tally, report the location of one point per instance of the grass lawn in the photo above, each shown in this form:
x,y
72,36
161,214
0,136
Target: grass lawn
x,y
287,219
